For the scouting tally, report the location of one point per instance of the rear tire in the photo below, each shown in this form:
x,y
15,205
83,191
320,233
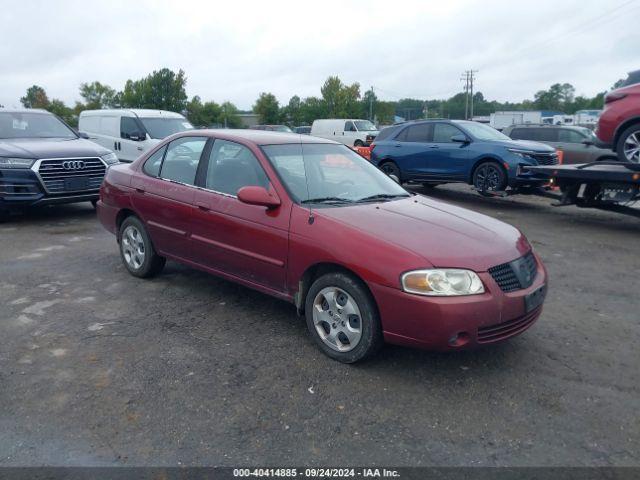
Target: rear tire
x,y
342,318
628,147
136,250
490,177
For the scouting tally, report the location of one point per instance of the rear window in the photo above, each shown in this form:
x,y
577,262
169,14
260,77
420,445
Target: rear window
x,y
385,133
535,134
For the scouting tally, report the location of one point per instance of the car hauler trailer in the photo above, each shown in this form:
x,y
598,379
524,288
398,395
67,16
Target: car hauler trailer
x,y
605,185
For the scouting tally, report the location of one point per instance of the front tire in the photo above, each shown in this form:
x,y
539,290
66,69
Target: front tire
x,y
489,177
628,147
358,143
392,170
343,318
136,250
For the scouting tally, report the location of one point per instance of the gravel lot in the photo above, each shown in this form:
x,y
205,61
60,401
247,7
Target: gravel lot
x,y
100,368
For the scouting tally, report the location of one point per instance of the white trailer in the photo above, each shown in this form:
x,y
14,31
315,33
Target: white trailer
x,y
500,120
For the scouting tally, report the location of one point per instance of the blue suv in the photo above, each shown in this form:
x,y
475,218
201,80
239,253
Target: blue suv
x,y
443,151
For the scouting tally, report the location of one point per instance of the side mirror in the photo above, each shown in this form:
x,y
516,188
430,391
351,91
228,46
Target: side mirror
x,y
459,138
137,137
588,142
255,195
83,135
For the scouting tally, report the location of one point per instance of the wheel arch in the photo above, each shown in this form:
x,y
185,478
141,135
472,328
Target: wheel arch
x,y
622,127
316,271
122,215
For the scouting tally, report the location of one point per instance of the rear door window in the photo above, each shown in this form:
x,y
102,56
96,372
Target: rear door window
x,y
152,164
181,159
422,133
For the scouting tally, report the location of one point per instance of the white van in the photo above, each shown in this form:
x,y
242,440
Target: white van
x,y
351,132
130,132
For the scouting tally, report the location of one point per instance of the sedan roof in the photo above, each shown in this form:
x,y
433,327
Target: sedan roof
x,y
261,137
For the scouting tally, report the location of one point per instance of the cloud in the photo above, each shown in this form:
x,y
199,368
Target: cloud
x,y
235,50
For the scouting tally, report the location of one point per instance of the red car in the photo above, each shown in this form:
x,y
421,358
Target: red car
x,y
619,123
310,221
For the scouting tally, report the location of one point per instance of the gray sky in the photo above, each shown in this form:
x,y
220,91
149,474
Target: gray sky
x,y
235,50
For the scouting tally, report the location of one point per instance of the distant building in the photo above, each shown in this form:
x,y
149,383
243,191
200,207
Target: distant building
x,y
249,119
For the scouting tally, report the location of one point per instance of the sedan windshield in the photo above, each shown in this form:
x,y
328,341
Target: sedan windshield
x,y
482,132
365,126
330,174
33,125
163,127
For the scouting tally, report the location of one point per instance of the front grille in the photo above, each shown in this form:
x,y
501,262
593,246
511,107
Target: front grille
x,y
546,158
501,331
56,177
515,275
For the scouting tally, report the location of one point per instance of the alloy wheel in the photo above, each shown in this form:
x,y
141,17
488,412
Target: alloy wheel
x,y
133,248
488,178
631,147
337,319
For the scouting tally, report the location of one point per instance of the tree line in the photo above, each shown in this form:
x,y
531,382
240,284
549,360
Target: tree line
x,y
165,90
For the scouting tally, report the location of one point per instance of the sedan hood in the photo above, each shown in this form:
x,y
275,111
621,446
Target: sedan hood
x,y
50,148
443,234
525,145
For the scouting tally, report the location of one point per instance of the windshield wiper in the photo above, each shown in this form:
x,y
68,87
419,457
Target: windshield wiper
x,y
327,200
382,196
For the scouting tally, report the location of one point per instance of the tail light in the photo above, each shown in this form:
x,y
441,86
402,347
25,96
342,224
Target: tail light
x,y
613,96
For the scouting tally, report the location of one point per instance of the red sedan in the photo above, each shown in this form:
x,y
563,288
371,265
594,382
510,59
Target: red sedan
x,y
310,221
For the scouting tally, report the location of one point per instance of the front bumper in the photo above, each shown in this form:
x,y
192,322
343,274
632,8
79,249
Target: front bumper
x,y
21,189
452,323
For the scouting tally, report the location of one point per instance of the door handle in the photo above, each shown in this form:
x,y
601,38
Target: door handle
x,y
139,149
203,207
140,190
433,146
115,145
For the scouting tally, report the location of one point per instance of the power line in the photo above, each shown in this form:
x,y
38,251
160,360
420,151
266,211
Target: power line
x,y
468,76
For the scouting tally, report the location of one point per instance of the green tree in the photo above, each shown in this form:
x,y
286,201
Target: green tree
x,y
35,97
162,90
97,96
342,101
313,108
293,114
57,107
229,116
267,108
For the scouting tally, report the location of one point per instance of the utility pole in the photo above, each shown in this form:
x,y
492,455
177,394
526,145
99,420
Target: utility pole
x,y
471,79
465,78
371,104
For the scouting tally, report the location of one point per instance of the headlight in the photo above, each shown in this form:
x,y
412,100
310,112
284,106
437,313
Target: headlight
x,y
522,154
442,282
13,162
110,158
